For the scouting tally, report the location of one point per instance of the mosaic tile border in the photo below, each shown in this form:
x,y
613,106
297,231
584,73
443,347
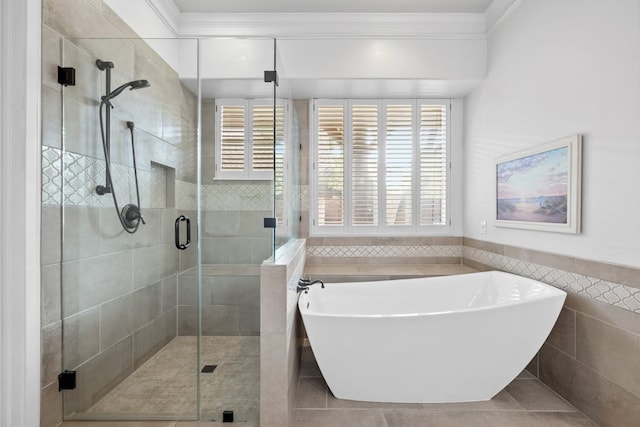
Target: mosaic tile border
x,y
70,179
304,198
237,197
384,251
615,294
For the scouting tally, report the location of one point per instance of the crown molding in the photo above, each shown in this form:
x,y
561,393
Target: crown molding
x,y
497,12
168,12
292,25
333,25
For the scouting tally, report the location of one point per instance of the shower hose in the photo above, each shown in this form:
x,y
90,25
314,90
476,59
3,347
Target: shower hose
x,y
135,214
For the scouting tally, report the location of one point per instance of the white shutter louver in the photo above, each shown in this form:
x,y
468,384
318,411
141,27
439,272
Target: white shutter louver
x,y
279,184
399,165
330,165
364,165
232,137
433,164
262,134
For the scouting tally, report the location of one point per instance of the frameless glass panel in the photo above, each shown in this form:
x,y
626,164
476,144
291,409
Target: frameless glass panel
x,y
289,127
128,164
235,203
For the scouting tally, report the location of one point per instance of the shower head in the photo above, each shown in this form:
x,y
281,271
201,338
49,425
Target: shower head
x,y
135,84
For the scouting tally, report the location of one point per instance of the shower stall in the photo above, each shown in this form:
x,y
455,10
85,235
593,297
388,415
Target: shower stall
x,y
167,197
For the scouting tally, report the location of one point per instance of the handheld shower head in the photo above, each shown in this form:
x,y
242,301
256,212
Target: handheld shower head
x,y
135,84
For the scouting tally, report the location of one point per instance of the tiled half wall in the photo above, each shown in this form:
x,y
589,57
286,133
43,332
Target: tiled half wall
x,y
280,334
591,356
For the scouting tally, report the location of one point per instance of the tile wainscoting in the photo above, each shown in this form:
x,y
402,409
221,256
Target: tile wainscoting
x,y
280,334
587,281
590,357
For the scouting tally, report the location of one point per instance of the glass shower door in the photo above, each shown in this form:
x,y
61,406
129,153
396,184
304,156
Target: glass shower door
x,y
128,165
237,188
160,253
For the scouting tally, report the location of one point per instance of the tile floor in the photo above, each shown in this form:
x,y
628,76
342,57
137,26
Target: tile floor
x,y
526,402
165,385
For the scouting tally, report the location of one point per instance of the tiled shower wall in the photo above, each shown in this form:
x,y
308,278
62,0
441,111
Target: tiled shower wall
x,y
234,243
591,357
119,302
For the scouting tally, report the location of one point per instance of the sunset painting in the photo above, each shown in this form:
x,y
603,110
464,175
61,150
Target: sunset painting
x,y
534,188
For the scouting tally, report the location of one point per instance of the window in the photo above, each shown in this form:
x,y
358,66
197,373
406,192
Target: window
x,y
244,138
380,167
245,146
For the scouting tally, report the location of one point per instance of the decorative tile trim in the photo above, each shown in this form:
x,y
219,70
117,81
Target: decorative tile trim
x,y
225,197
71,179
304,198
615,294
237,197
51,176
384,251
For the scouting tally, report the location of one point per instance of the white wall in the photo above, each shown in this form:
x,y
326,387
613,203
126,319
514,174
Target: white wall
x,y
140,16
557,68
20,213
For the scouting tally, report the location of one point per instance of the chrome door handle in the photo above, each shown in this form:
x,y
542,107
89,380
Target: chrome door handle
x,y
183,246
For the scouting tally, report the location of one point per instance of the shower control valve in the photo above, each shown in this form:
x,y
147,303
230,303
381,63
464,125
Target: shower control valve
x,y
131,215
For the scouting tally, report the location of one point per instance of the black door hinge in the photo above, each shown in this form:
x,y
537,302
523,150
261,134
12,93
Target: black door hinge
x,y
67,380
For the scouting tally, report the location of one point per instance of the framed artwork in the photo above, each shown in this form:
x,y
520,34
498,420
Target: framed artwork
x,y
539,188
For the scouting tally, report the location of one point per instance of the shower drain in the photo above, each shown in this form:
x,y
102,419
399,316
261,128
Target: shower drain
x,y
208,368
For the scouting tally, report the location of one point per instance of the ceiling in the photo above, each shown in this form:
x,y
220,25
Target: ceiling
x,y
326,48
328,6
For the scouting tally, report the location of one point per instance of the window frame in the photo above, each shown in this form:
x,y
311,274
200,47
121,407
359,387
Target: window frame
x,y
381,229
247,173
284,223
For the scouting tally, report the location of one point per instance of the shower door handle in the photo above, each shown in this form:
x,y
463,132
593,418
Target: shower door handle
x,y
183,246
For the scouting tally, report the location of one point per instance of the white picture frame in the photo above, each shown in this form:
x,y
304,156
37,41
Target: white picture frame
x,y
540,188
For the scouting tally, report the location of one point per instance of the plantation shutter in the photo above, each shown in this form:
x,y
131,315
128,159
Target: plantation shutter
x,y
262,133
364,164
399,165
433,164
232,137
380,167
279,184
330,165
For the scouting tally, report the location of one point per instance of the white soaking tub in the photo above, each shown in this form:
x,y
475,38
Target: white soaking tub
x,y
443,339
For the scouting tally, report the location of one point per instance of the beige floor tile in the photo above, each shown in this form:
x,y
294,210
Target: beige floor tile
x,y
312,393
339,418
166,385
533,395
485,419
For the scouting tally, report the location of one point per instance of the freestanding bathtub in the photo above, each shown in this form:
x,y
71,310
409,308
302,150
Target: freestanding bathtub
x,y
443,339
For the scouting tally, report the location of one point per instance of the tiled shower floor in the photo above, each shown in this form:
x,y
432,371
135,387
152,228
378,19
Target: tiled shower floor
x,y
165,385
